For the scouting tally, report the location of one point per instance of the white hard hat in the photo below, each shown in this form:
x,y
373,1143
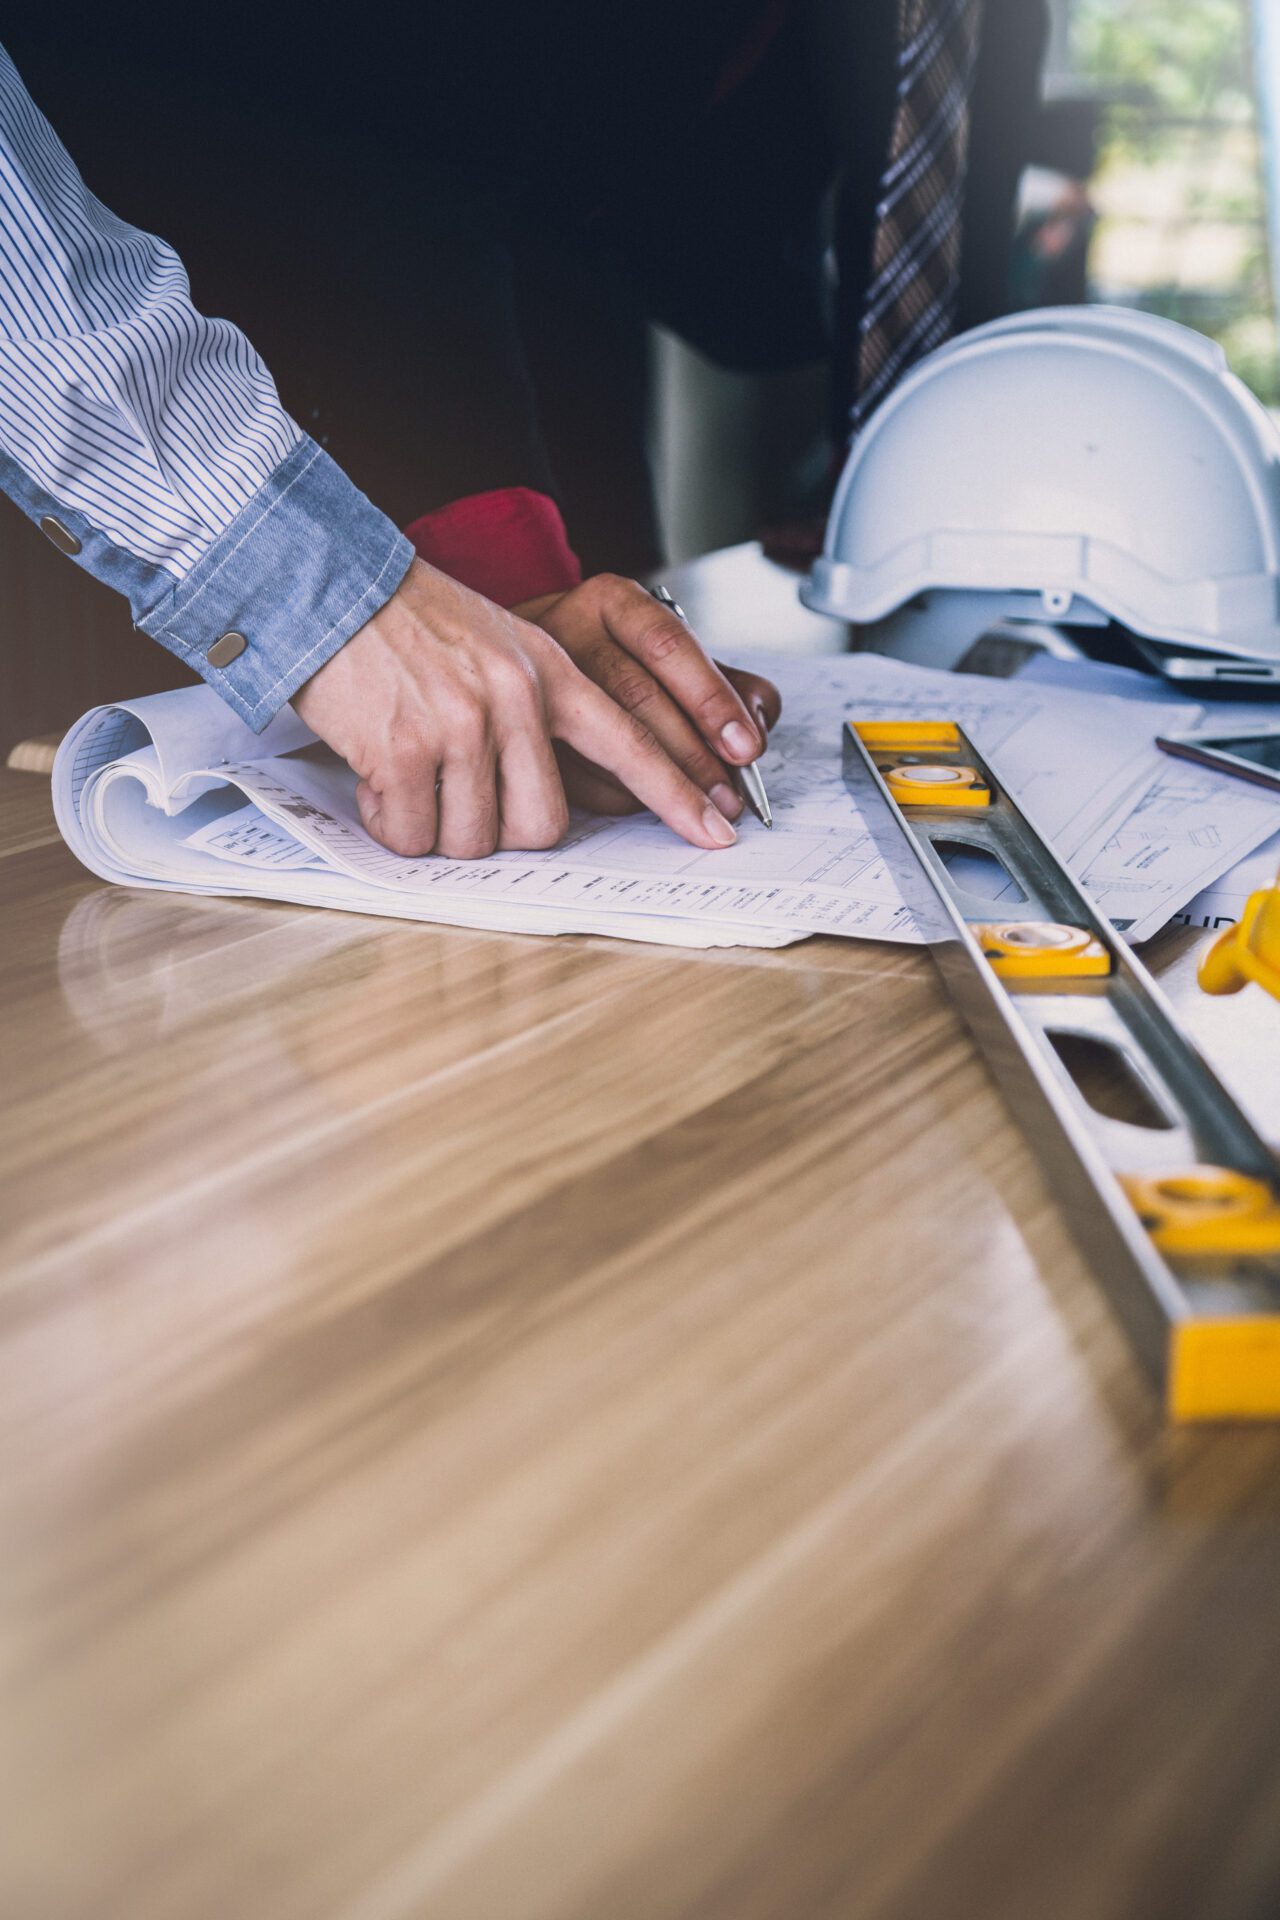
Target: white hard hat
x,y
1079,461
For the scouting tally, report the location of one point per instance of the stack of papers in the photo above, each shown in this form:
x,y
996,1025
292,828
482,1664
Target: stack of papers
x,y
172,791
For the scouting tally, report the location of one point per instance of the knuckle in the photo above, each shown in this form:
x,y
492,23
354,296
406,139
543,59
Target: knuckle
x,y
590,595
556,674
527,706
405,756
410,842
631,687
662,639
468,729
514,679
715,711
475,842
549,830
640,738
599,661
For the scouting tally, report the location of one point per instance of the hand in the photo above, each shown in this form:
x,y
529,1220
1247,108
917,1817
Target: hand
x,y
446,707
647,660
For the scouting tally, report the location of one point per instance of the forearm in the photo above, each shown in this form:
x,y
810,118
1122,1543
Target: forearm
x,y
149,442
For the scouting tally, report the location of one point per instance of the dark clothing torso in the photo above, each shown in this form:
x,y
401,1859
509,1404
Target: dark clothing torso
x,y
446,228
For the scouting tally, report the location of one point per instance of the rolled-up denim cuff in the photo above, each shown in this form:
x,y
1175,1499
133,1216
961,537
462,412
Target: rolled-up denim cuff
x,y
298,571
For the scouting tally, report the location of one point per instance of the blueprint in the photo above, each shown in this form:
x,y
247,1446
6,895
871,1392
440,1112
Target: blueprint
x,y
1190,829
1222,904
1190,833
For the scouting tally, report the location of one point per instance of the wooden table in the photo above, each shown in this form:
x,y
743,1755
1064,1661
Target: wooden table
x,y
503,1429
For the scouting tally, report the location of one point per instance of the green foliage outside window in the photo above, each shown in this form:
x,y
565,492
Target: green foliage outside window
x,y
1179,184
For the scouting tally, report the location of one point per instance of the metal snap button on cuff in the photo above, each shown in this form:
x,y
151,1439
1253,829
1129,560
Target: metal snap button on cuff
x,y
62,537
226,648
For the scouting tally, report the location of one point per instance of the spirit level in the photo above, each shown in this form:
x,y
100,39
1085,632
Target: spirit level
x,y
1172,1193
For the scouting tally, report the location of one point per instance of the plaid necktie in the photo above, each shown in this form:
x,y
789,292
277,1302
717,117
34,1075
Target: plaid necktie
x,y
915,262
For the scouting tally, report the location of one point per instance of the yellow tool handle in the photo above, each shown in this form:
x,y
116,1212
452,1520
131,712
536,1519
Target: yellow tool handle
x,y
1247,951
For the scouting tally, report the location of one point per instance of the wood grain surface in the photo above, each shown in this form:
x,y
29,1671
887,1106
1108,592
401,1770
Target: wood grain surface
x,y
505,1429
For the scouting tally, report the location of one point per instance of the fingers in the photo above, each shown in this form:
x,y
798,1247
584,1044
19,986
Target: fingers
x,y
761,698
532,805
665,646
477,808
401,814
584,716
587,785
632,686
468,824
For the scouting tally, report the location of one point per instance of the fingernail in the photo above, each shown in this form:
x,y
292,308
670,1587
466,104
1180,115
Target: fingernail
x,y
718,827
740,741
761,722
726,799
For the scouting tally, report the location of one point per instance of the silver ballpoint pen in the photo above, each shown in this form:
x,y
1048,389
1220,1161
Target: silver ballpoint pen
x,y
746,779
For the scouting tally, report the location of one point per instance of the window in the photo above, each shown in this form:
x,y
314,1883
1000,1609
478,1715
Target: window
x,y
1180,183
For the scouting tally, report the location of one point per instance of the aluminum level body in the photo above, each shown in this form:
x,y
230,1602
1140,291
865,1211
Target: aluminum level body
x,y
1208,1326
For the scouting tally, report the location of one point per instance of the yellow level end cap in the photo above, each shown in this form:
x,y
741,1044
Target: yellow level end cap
x,y
1041,950
907,733
1206,1212
1225,1369
926,784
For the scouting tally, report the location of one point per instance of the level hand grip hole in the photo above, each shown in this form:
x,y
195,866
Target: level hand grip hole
x,y
1107,1081
978,871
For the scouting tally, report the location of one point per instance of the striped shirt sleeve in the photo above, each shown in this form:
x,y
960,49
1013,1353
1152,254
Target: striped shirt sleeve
x,y
153,439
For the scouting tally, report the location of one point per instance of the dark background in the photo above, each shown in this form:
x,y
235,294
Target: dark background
x,y
447,229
